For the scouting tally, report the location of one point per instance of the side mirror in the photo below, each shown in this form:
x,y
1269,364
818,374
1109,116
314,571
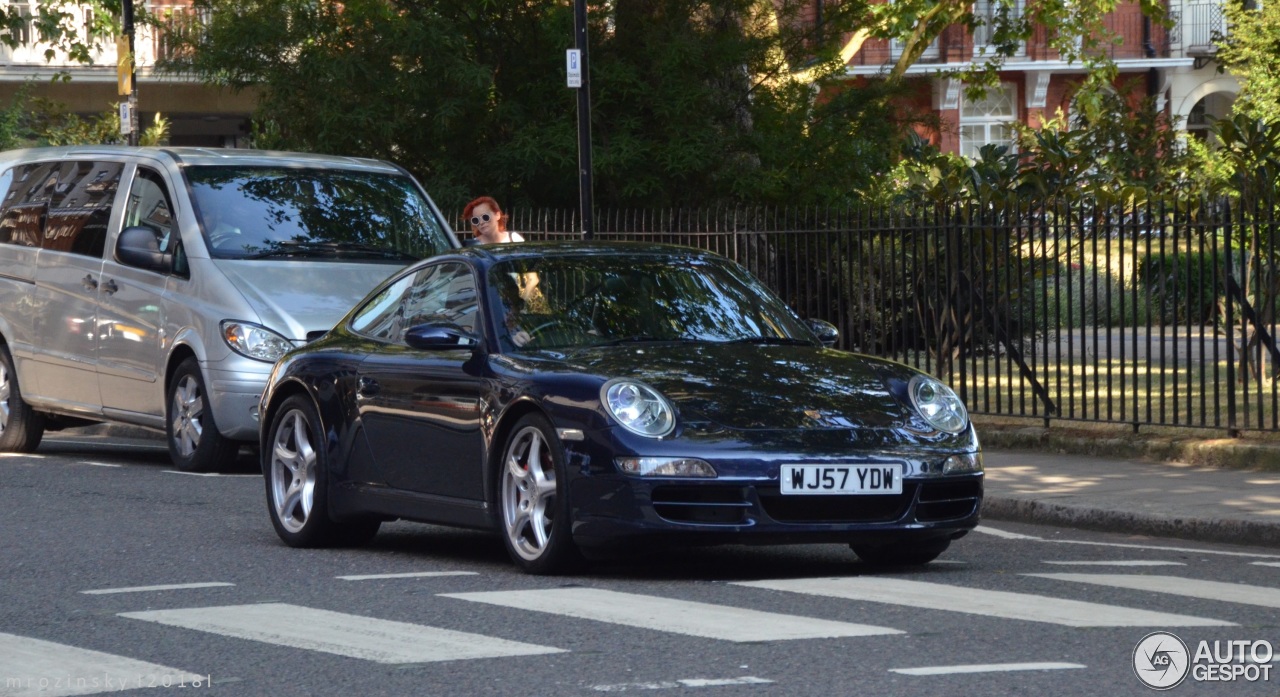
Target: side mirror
x,y
140,246
824,330
436,336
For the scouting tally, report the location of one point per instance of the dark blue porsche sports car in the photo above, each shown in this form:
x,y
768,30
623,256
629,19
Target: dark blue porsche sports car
x,y
582,397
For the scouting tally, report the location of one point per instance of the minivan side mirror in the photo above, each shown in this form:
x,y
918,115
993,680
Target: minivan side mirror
x,y
438,336
140,246
824,330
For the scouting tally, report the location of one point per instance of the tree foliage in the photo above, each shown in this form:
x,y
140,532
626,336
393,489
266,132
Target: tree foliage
x,y
1251,51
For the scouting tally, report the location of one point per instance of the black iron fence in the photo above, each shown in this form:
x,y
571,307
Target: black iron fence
x,y
1162,314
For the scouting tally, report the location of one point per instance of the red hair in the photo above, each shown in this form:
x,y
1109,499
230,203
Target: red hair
x,y
486,201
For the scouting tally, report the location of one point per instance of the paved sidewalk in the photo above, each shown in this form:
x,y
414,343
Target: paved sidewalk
x,y
1149,498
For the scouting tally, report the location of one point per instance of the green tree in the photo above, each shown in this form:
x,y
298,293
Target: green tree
x,y
1251,52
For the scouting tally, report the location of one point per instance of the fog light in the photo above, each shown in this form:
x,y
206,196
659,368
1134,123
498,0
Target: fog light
x,y
960,464
665,467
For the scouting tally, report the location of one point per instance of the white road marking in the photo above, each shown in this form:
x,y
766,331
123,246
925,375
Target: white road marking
x,y
1175,585
984,668
671,615
101,464
1004,534
37,667
1265,563
212,474
367,638
146,589
1156,548
415,574
1118,562
686,682
976,601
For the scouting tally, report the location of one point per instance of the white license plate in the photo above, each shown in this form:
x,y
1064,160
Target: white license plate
x,y
841,479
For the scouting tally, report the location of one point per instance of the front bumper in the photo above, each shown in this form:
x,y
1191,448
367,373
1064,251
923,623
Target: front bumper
x,y
744,504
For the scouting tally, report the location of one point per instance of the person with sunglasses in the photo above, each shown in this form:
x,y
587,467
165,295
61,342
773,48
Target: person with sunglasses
x,y
488,222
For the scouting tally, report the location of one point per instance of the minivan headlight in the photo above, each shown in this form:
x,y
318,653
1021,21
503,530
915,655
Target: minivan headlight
x,y
253,341
938,404
638,408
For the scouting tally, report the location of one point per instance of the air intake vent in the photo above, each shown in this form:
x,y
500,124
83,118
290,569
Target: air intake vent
x,y
312,336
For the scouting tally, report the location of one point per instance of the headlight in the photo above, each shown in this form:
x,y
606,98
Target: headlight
x,y
665,466
638,408
938,404
252,341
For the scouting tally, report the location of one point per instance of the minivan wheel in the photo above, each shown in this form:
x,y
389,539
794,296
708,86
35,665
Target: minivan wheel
x,y
296,466
21,428
194,442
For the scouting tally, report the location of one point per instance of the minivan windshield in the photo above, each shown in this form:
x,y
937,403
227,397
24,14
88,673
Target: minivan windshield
x,y
272,212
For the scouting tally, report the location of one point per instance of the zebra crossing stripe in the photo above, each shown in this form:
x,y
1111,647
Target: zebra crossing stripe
x,y
37,667
1261,596
383,641
976,601
671,615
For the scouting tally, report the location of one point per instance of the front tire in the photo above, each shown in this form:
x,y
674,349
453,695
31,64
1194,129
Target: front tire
x,y
296,467
21,428
194,442
534,501
903,553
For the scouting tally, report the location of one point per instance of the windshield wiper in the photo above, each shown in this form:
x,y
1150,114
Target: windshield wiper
x,y
645,339
330,249
773,340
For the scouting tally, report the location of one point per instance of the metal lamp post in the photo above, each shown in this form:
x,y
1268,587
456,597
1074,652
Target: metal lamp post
x,y
580,78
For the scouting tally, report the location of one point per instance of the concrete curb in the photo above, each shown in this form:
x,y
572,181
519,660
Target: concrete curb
x,y
1239,532
1231,453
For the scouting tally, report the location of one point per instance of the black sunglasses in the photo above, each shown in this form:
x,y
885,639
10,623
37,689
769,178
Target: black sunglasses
x,y
476,220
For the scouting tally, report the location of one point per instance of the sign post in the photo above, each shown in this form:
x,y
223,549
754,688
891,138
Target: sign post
x,y
127,75
579,78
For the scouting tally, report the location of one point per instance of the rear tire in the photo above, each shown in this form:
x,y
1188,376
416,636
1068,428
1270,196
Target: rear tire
x,y
194,442
902,554
21,428
296,467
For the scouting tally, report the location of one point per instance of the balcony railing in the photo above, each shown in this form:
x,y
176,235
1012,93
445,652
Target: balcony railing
x,y
150,43
1194,25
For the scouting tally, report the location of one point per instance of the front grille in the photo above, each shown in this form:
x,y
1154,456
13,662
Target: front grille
x,y
710,505
948,500
871,508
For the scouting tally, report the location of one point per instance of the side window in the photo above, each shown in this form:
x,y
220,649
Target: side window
x,y
78,194
438,293
150,206
22,220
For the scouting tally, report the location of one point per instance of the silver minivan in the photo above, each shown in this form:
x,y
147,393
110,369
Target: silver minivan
x,y
157,286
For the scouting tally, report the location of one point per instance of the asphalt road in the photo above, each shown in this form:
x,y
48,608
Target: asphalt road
x,y
88,529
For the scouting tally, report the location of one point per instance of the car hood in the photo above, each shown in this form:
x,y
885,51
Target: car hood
x,y
746,386
295,298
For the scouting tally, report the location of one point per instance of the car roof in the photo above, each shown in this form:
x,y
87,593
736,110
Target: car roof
x,y
205,156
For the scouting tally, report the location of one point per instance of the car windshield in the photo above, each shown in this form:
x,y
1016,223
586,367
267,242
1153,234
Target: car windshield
x,y
593,300
261,212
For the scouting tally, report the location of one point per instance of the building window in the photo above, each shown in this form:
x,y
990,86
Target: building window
x,y
988,120
988,13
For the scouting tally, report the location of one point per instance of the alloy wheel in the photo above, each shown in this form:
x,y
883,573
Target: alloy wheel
x,y
188,415
528,493
293,472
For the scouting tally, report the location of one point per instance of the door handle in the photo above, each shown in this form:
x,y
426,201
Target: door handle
x,y
110,287
89,282
367,386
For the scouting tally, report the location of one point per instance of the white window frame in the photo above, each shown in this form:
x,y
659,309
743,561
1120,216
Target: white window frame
x,y
985,10
987,115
